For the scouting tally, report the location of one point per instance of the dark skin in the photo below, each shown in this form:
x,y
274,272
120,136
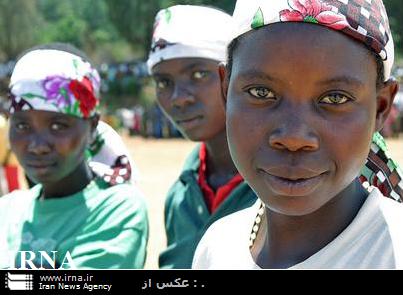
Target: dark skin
x,y
188,91
51,148
308,135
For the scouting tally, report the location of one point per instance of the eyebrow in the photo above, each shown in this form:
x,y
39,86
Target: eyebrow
x,y
344,79
349,80
253,74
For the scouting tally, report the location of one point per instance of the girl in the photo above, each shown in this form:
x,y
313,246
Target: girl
x,y
188,44
308,135
72,212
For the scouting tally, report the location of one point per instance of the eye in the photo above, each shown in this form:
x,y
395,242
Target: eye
x,y
162,83
335,98
197,75
58,126
261,92
21,126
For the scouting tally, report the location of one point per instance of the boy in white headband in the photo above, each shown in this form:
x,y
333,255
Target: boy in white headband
x,y
188,44
307,85
79,218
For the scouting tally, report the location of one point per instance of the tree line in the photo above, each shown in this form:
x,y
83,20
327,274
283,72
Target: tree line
x,y
108,30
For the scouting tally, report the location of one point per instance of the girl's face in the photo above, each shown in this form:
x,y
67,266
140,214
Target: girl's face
x,y
188,90
302,105
50,146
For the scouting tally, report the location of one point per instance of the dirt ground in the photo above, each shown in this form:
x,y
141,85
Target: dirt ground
x,y
159,162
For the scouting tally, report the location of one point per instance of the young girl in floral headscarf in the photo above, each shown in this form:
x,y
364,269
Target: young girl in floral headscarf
x,y
307,85
74,215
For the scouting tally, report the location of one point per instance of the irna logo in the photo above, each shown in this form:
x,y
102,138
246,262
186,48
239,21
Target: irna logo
x,y
36,260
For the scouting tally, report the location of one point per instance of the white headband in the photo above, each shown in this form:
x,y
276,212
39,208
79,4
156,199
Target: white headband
x,y
185,31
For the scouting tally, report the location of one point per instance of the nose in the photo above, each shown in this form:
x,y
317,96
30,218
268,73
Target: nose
x,y
294,134
182,96
38,145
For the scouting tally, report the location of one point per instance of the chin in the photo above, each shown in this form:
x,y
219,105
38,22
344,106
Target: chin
x,y
292,206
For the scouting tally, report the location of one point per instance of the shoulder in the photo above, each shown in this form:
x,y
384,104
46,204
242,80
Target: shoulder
x,y
121,202
192,161
187,178
391,210
21,196
226,238
392,213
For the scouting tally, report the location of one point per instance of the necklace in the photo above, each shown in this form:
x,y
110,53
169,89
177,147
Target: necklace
x,y
260,212
256,224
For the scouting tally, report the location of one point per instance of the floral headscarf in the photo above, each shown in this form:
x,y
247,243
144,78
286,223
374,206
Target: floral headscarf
x,y
58,81
183,31
54,80
363,20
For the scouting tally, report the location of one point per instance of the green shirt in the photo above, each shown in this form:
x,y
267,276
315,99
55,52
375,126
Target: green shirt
x,y
102,227
187,216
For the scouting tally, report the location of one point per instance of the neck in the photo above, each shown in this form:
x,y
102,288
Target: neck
x,y
220,167
289,240
71,184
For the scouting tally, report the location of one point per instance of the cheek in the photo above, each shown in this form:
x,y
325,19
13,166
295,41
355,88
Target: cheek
x,y
18,144
349,142
245,135
164,102
210,96
72,147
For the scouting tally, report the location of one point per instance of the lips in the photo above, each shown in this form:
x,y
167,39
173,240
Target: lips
x,y
292,181
40,165
189,122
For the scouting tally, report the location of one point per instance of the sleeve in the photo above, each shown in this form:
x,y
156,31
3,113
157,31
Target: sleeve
x,y
116,238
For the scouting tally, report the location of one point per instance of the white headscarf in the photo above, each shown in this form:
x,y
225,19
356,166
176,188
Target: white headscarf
x,y
184,31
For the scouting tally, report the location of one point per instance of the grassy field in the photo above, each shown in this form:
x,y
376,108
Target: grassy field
x,y
159,163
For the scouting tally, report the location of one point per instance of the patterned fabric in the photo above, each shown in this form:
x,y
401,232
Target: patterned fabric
x,y
57,81
109,158
382,172
363,20
183,31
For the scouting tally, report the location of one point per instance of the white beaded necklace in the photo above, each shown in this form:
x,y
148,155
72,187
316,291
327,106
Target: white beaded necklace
x,y
260,212
256,224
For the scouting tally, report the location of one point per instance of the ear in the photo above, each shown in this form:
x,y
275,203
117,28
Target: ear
x,y
223,71
94,124
385,97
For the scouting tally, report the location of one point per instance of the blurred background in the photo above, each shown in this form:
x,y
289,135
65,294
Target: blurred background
x,y
116,35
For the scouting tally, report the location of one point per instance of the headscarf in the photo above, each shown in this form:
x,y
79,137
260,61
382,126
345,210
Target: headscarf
x,y
185,31
58,81
109,157
364,20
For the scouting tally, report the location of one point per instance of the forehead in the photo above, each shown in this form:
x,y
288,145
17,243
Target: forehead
x,y
43,116
181,65
283,47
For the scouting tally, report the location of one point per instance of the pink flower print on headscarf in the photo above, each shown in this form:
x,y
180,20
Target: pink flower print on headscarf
x,y
57,91
313,11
